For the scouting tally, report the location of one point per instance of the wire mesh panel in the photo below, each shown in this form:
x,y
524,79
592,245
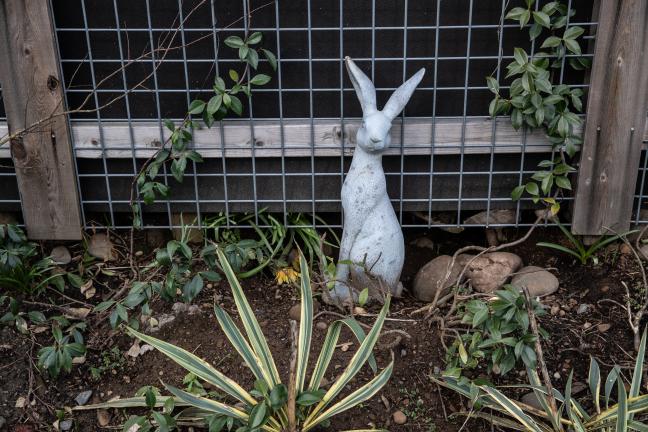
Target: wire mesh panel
x,y
142,61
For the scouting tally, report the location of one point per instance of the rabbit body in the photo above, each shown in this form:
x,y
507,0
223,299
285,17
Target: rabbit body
x,y
372,240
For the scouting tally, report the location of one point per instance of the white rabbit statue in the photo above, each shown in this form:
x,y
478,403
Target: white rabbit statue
x,y
372,240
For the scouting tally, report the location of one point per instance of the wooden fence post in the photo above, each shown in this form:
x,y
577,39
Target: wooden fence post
x,y
32,92
616,116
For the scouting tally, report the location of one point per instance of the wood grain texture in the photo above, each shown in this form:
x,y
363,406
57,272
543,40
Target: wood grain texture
x,y
328,139
31,88
616,116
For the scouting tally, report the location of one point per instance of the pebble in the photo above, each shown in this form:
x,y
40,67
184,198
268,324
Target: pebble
x,y
65,425
587,325
399,417
603,327
83,397
103,417
139,253
127,379
583,308
537,280
556,375
321,325
555,309
61,255
605,288
100,246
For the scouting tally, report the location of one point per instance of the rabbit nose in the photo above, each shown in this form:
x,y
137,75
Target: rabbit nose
x,y
375,140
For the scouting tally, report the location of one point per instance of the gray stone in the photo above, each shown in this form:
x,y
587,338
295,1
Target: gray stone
x,y
100,246
583,308
433,274
61,255
161,321
65,425
372,234
180,307
83,397
538,281
490,271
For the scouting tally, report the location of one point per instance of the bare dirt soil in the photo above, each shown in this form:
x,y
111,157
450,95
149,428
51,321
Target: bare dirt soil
x,y
601,331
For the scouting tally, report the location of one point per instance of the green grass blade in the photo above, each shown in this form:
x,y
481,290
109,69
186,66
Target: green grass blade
x,y
197,366
250,323
609,383
541,395
206,404
512,409
634,406
241,345
560,248
328,348
305,324
364,393
356,363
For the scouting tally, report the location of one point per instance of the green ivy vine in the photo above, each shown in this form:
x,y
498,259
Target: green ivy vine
x,y
224,101
537,99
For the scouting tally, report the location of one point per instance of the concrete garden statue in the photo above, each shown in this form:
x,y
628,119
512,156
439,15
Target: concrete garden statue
x,y
372,250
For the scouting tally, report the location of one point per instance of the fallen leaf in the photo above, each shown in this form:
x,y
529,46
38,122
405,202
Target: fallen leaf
x,y
134,350
603,327
77,313
88,289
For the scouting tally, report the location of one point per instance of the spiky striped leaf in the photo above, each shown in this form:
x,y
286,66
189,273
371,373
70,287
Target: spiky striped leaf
x,y
241,345
206,404
635,386
133,402
364,393
305,324
197,366
622,407
354,366
594,381
512,408
250,323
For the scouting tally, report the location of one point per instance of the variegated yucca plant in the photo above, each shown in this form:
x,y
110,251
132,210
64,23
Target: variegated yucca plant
x,y
571,414
298,406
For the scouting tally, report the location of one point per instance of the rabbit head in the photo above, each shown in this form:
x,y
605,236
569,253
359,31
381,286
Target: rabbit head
x,y
373,136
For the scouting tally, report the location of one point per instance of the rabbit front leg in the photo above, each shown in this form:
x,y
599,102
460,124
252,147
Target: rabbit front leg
x,y
342,290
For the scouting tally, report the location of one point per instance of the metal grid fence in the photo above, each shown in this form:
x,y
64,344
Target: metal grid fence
x,y
473,166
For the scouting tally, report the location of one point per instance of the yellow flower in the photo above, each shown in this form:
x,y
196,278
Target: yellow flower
x,y
286,275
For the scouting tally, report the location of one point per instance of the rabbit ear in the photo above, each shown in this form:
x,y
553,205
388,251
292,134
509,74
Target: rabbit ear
x,y
363,86
401,96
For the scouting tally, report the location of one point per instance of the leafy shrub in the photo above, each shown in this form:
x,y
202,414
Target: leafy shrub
x,y
67,345
499,335
572,414
269,405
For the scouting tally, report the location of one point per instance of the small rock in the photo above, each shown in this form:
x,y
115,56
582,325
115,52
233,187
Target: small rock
x,y
399,417
21,402
83,397
100,246
321,325
583,308
537,280
103,417
433,274
555,309
359,311
490,271
139,253
61,255
605,288
423,243
156,238
179,307
603,327
160,322
126,379
65,425
587,325
556,375
562,313
295,311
